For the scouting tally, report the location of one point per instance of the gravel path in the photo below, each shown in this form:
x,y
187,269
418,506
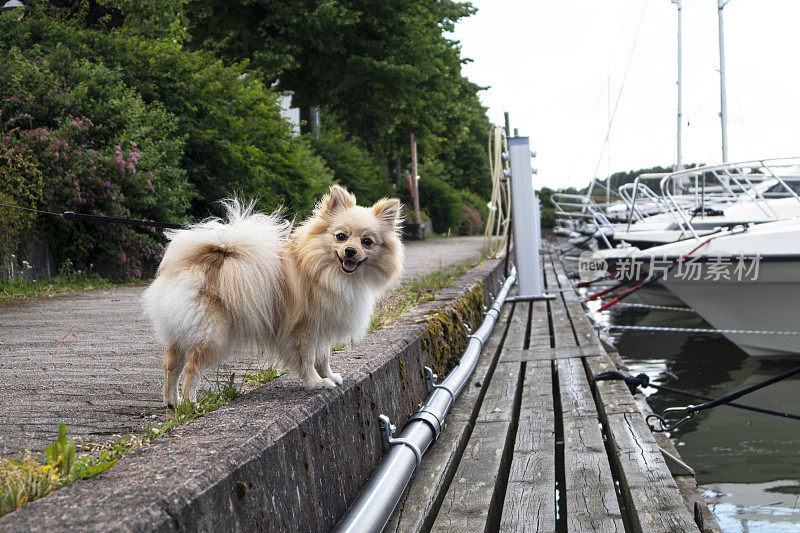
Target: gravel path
x,y
105,377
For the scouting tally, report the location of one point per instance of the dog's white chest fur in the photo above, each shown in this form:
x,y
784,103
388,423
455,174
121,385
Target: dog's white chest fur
x,y
349,316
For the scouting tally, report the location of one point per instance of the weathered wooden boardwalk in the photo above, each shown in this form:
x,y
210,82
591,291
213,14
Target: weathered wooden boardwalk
x,y
528,447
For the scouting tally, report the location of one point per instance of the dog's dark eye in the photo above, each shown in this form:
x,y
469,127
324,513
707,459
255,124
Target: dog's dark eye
x,y
366,241
341,237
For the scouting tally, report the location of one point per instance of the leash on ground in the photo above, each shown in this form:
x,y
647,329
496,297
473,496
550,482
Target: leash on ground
x,y
660,423
69,215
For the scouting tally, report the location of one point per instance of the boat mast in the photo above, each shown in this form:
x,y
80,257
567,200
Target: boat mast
x,y
723,102
679,155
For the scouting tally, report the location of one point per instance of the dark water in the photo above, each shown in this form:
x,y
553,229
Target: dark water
x,y
747,463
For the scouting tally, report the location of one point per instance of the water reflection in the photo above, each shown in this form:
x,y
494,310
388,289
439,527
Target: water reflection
x,y
748,463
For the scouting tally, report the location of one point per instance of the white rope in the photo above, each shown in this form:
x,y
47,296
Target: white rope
x,y
703,330
659,307
498,219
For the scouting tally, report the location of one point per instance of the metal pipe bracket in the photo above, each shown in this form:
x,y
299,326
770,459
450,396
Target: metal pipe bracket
x,y
430,376
388,429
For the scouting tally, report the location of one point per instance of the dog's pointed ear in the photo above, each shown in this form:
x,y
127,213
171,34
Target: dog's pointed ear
x,y
388,211
334,201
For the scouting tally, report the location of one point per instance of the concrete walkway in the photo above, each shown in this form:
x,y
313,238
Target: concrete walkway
x,y
105,377
423,257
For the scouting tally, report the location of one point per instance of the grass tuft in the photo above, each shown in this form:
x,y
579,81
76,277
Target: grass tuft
x,y
409,294
69,279
22,482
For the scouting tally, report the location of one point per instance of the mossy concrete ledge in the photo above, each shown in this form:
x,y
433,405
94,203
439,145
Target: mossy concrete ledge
x,y
279,458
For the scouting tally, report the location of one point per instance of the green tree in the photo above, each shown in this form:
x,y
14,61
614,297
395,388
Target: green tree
x,y
384,69
233,137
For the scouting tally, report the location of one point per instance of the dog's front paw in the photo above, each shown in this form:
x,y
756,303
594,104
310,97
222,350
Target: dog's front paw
x,y
336,378
324,383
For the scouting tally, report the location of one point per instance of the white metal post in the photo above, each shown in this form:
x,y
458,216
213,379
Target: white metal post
x,y
524,219
537,221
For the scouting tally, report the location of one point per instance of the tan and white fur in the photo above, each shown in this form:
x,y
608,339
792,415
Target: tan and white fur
x,y
251,282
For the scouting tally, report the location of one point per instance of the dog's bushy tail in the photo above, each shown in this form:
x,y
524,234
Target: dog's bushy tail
x,y
232,263
241,232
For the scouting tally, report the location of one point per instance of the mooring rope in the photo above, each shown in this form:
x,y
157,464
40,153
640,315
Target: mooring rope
x,y
649,281
657,307
689,412
702,330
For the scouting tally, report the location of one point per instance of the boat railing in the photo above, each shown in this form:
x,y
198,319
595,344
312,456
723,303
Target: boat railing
x,y
754,182
579,206
636,195
585,208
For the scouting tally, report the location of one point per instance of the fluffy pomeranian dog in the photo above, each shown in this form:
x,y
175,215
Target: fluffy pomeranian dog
x,y
251,282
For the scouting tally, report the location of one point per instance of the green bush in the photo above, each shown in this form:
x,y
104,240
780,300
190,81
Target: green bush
x,y
80,178
234,139
442,203
167,133
480,211
548,212
98,148
21,183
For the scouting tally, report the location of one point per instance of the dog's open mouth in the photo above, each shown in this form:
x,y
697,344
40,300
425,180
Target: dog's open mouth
x,y
348,265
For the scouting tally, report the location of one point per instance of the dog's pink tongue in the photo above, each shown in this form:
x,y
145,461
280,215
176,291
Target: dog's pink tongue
x,y
349,265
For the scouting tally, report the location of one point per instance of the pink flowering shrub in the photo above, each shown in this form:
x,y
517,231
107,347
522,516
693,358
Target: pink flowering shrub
x,y
83,179
98,149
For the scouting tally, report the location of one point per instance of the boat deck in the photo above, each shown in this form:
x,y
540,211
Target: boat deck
x,y
528,447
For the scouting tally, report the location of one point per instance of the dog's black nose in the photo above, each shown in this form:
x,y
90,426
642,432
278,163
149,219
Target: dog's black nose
x,y
350,251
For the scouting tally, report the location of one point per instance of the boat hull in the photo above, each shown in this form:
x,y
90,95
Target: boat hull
x,y
769,303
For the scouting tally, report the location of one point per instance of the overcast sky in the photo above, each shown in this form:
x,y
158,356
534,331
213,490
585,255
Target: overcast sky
x,y
549,64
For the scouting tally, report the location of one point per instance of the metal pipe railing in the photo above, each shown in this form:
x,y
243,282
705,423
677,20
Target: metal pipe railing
x,y
378,498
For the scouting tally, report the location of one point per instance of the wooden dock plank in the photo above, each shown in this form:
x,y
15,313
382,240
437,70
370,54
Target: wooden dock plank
x,y
576,398
426,490
590,493
650,493
523,472
471,495
614,395
686,484
563,333
530,496
548,354
582,326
